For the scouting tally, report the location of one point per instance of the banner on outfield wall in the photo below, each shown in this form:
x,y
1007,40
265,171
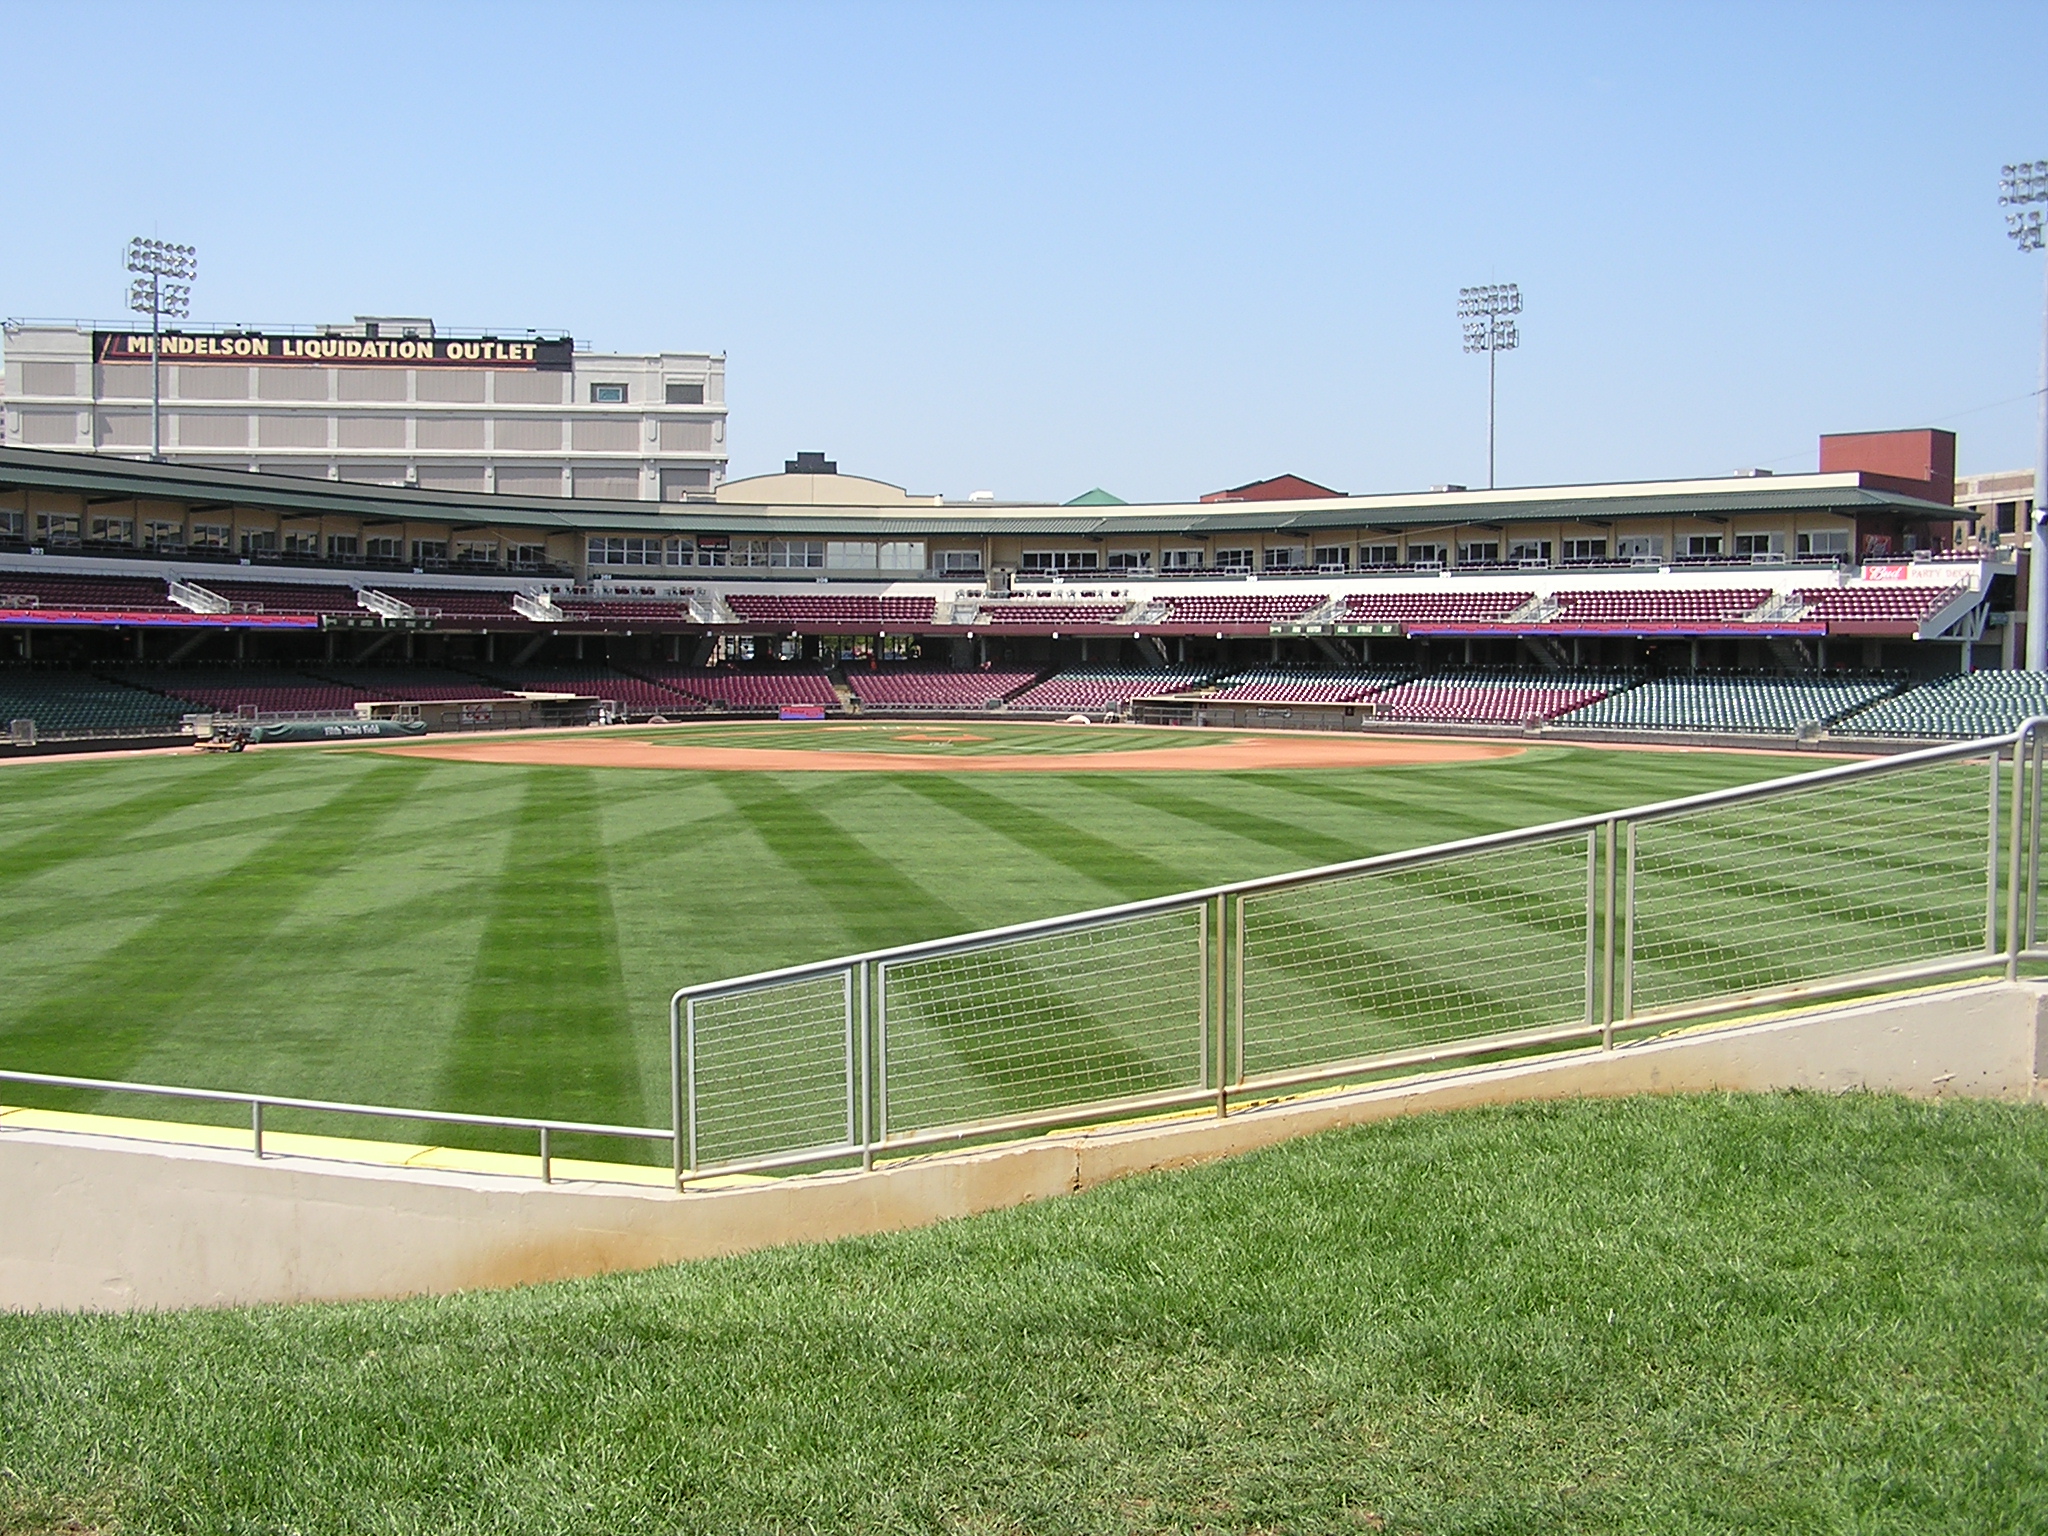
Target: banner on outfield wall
x,y
245,347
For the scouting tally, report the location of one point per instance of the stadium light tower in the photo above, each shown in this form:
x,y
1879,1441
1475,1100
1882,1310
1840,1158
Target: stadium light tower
x,y
2020,186
162,287
1488,314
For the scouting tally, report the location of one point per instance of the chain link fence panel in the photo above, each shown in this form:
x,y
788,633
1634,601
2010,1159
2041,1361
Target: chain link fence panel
x,y
771,1070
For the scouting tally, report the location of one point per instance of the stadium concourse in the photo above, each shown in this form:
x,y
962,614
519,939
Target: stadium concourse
x,y
1848,605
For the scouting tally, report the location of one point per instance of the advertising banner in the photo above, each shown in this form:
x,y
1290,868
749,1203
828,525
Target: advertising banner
x,y
245,347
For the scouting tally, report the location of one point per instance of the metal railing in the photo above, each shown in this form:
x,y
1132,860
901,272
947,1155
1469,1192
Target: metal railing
x,y
1848,879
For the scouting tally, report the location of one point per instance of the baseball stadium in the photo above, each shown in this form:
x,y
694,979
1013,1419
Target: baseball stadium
x,y
412,894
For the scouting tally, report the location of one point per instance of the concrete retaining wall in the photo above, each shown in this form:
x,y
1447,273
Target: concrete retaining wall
x,y
104,1222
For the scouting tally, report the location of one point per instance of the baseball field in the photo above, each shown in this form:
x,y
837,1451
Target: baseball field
x,y
408,927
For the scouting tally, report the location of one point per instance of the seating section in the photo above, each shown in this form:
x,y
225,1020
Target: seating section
x,y
285,596
856,612
78,704
1710,702
634,695
908,688
1635,605
91,594
1876,602
409,683
752,691
1430,607
1279,685
648,610
1102,692
1242,610
458,602
1050,615
1971,705
230,690
1495,698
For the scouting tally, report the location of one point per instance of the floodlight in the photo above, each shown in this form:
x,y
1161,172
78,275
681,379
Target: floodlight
x,y
1484,311
164,274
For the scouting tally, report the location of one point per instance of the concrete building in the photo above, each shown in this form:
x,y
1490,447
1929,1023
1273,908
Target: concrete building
x,y
382,401
1998,507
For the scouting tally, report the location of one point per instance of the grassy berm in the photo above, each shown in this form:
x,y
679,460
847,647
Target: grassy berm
x,y
1788,1313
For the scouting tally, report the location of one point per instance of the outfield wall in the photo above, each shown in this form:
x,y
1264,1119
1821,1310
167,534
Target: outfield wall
x,y
91,1219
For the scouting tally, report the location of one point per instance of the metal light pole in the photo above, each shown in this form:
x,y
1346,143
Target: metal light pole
x,y
162,286
1486,312
2019,185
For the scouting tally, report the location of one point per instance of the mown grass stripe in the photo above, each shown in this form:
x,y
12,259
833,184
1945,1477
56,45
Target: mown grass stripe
x,y
1131,874
544,1028
1305,843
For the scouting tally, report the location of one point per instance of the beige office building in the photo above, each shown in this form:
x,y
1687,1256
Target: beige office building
x,y
380,401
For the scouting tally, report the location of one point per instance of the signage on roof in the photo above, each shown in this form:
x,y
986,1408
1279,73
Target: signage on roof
x,y
246,347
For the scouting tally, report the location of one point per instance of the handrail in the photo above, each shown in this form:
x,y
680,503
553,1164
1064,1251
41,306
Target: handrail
x,y
1512,838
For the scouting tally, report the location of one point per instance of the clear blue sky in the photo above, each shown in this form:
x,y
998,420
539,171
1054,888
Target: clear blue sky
x,y
1162,249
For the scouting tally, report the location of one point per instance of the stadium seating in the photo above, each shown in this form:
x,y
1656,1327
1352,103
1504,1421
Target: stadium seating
x,y
1636,605
1876,602
285,596
463,602
90,594
1709,702
1050,615
408,683
625,610
634,695
1494,698
229,690
748,691
1450,607
1971,705
1275,685
1101,692
854,613
1241,610
906,688
78,704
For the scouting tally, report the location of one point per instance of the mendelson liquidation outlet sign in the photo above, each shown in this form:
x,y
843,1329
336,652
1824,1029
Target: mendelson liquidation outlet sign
x,y
243,347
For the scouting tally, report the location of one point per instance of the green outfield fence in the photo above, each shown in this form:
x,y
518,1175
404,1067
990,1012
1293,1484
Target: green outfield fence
x,y
1577,933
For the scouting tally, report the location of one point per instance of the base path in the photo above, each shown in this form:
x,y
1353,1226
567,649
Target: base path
x,y
1289,751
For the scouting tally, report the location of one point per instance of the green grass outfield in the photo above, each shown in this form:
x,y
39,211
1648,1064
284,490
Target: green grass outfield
x,y
338,923
1788,1314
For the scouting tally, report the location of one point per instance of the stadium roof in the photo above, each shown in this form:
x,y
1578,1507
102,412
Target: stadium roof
x,y
106,479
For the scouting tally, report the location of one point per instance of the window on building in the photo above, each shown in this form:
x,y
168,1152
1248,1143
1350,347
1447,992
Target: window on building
x,y
685,394
1759,545
1426,554
1825,541
1379,554
57,527
1333,557
1283,557
1061,560
157,535
2008,514
849,555
796,554
303,544
1700,546
1640,547
10,525
113,530
1529,551
1234,560
343,546
900,555
1130,560
1479,552
259,541
607,394
383,547
210,535
429,552
1180,559
959,559
526,554
625,551
476,551
1584,550
746,551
